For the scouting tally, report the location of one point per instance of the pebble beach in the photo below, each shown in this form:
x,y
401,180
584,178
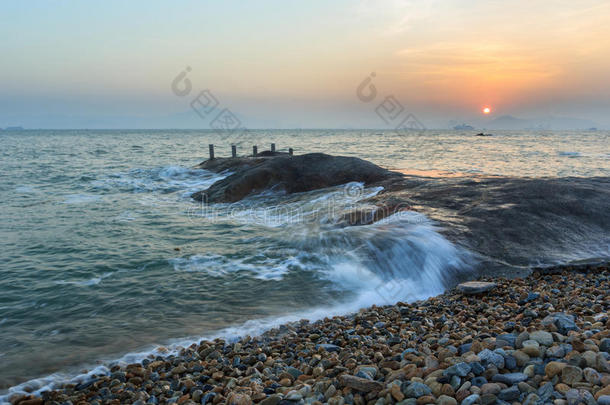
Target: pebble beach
x,y
543,339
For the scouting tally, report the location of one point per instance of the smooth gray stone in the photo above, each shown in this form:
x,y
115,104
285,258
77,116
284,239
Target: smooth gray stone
x,y
476,287
510,378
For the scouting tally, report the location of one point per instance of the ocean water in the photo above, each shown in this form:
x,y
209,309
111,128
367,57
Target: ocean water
x,y
104,255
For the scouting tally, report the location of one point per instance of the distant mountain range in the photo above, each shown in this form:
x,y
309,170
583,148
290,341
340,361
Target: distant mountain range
x,y
510,122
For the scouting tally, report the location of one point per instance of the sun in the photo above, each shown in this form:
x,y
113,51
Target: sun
x,y
486,110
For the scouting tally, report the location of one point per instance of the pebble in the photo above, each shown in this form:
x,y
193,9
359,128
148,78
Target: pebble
x,y
476,287
592,376
490,388
539,340
472,399
531,399
490,357
447,400
397,392
563,322
554,368
509,378
603,400
328,347
542,337
531,348
360,384
416,390
460,369
511,393
571,375
573,397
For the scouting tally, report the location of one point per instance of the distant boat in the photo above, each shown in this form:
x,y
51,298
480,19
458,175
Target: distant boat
x,y
463,127
483,134
592,129
13,129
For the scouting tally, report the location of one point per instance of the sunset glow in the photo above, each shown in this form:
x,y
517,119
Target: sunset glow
x,y
540,59
486,110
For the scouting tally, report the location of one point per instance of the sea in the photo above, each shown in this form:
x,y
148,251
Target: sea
x,y
105,257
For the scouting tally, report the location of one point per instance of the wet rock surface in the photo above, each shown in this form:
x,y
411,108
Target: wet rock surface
x,y
486,214
447,350
290,174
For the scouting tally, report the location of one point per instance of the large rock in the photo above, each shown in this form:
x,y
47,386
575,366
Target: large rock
x,y
475,287
290,174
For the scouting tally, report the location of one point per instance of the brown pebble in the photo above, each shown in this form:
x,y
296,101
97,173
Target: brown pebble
x,y
33,401
360,384
426,399
397,393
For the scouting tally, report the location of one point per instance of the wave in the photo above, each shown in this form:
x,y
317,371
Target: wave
x,y
164,179
260,266
404,258
85,283
277,210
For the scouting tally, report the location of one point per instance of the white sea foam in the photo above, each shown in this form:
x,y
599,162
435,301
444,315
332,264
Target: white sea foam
x,y
404,258
165,179
310,208
85,283
260,266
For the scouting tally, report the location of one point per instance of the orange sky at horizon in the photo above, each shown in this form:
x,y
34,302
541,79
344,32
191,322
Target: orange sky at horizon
x,y
443,58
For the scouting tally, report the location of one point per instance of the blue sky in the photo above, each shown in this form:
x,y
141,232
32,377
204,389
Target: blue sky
x,y
297,64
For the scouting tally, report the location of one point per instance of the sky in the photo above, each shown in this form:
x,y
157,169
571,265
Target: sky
x,y
300,64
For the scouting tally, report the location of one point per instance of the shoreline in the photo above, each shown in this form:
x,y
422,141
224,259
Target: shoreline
x,y
298,362
471,213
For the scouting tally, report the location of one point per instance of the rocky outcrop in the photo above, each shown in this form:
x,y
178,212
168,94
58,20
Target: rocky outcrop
x,y
290,174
